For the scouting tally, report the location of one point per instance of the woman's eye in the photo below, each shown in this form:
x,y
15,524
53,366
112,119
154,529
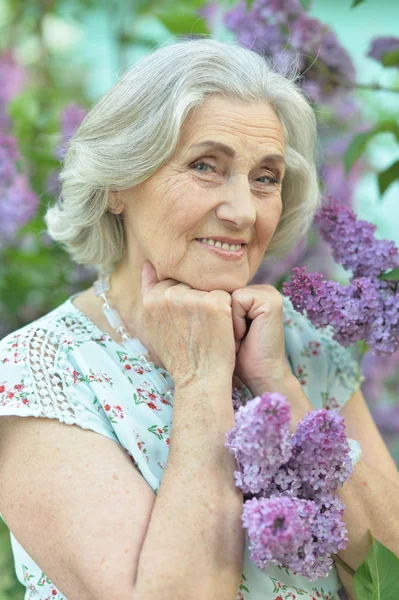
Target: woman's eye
x,y
202,163
270,177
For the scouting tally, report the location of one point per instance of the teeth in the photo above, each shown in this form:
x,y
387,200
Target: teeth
x,y
224,245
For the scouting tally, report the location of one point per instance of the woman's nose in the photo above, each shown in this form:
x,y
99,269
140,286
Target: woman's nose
x,y
237,203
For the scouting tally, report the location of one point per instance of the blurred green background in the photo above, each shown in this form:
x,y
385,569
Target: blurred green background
x,y
58,57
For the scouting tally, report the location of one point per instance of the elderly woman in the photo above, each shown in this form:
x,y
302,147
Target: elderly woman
x,y
195,166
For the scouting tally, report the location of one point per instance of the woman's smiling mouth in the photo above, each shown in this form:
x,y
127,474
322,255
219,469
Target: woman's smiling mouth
x,y
231,253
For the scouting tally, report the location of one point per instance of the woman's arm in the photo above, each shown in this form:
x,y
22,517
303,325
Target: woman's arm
x,y
195,542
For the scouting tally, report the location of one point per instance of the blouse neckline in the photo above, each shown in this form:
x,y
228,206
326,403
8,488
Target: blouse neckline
x,y
99,333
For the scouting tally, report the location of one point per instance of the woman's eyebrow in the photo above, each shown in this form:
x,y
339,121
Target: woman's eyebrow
x,y
276,158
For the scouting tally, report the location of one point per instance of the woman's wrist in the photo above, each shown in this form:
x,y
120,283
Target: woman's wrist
x,y
289,387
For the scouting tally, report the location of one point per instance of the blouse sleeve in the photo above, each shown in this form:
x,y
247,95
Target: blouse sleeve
x,y
38,379
327,370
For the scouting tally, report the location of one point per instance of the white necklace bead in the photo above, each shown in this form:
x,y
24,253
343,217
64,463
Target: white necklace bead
x,y
133,345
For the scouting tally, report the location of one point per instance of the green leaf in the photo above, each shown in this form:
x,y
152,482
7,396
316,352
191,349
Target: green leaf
x,y
391,59
377,576
385,178
356,2
390,276
305,4
359,143
184,19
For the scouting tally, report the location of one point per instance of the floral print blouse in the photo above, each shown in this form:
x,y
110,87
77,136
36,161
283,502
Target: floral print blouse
x,y
62,366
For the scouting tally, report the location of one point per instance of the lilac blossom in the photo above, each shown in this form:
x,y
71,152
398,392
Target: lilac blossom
x,y
379,371
382,45
282,30
335,181
295,517
321,453
366,309
18,203
279,530
13,77
260,441
353,243
71,118
330,65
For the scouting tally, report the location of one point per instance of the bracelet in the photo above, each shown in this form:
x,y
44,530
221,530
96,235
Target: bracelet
x,y
355,451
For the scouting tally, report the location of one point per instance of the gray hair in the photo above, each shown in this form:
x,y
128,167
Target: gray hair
x,y
134,129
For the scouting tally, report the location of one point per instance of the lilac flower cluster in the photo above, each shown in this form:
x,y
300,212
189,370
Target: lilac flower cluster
x,y
13,77
292,512
18,203
282,29
366,309
381,46
71,118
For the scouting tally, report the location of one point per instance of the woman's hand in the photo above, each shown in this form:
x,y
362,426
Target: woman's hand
x,y
260,354
190,330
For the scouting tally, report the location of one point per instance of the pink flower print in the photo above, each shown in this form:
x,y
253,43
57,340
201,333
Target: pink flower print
x,y
152,405
331,404
139,370
312,349
167,441
107,407
18,387
127,367
2,388
10,395
25,401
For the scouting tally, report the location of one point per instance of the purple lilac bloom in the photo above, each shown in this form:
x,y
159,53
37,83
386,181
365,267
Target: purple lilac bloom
x,y
252,32
378,371
279,530
321,453
13,77
18,203
298,534
71,118
381,45
332,63
355,312
260,440
353,243
296,519
336,183
282,30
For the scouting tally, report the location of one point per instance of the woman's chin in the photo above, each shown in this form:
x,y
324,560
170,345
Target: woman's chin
x,y
227,284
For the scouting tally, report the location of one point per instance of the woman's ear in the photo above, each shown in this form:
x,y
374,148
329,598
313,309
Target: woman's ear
x,y
115,205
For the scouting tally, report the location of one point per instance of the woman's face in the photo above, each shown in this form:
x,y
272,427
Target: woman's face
x,y
202,192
